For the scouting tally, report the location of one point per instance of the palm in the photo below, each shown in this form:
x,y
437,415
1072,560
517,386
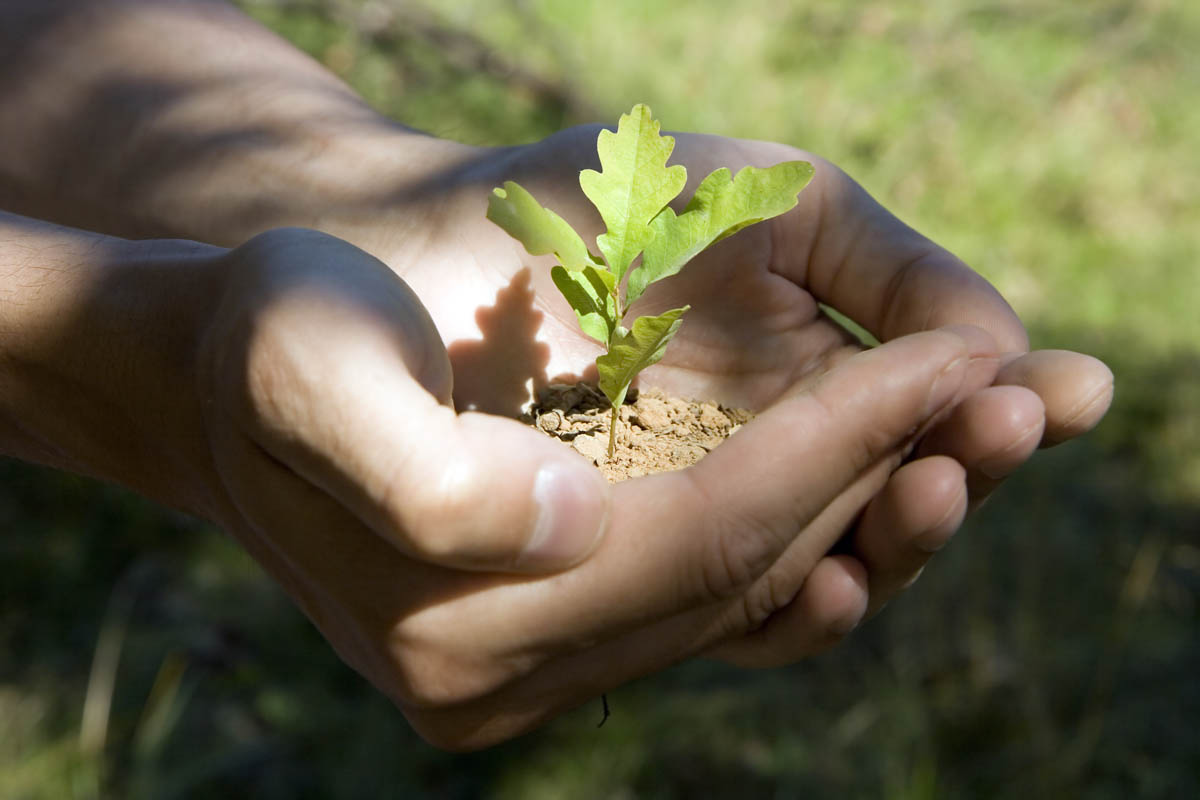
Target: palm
x,y
512,643
751,333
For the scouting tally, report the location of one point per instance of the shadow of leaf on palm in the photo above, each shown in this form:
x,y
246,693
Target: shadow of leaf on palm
x,y
498,373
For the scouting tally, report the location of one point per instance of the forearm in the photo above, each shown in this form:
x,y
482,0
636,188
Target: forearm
x,y
98,343
186,118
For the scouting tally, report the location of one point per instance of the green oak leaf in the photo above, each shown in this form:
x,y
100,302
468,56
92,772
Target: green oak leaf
x,y
632,351
633,187
590,293
720,208
538,228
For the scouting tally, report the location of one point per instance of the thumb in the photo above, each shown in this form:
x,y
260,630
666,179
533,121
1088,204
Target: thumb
x,y
337,374
803,459
786,485
468,491
481,492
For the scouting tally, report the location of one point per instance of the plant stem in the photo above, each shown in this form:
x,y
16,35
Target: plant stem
x,y
612,434
612,425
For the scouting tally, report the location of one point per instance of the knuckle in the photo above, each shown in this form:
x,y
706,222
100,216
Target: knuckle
x,y
448,686
905,282
418,664
437,679
769,594
860,450
256,372
430,674
755,609
440,517
264,387
742,549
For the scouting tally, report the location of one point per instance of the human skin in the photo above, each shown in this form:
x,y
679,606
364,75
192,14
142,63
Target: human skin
x,y
329,460
294,391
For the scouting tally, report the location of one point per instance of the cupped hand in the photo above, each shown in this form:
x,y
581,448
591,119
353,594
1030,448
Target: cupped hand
x,y
433,553
405,531
757,331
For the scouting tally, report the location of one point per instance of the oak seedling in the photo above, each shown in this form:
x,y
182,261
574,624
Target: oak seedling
x,y
631,192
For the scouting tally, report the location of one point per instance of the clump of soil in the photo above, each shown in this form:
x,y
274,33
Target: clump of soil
x,y
657,432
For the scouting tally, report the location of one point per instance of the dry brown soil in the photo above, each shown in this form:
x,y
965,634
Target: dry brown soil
x,y
656,433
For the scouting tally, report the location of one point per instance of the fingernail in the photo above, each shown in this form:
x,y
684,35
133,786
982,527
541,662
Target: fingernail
x,y
945,386
844,626
573,505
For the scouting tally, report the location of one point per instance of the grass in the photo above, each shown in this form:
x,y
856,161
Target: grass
x,y
1051,651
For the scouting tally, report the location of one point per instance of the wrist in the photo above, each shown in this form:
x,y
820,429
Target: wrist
x,y
208,127
98,353
382,189
349,173
362,179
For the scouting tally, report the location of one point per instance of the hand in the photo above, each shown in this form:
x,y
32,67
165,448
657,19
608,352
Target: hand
x,y
755,331
324,386
294,490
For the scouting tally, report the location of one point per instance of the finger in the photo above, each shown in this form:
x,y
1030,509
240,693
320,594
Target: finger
x,y
334,382
684,540
990,433
358,589
815,602
821,598
701,536
915,515
781,471
1075,389
918,511
689,543
854,255
790,572
831,603
907,514
789,577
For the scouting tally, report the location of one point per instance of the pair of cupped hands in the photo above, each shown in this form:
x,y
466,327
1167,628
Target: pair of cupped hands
x,y
485,577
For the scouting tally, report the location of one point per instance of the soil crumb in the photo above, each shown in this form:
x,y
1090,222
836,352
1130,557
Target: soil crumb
x,y
657,432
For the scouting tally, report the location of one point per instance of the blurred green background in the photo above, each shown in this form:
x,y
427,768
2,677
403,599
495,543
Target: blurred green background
x,y
1051,651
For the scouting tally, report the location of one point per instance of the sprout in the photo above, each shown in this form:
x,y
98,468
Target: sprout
x,y
631,192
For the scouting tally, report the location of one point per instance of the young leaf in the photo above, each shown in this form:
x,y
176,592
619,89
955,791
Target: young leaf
x,y
589,291
539,229
632,351
634,186
720,208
